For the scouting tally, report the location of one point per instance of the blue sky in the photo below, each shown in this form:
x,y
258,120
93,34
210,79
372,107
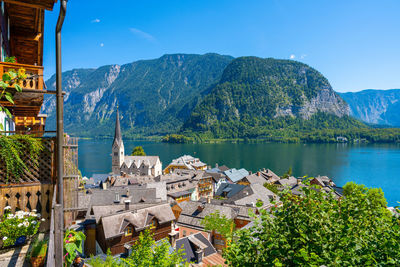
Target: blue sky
x,y
355,44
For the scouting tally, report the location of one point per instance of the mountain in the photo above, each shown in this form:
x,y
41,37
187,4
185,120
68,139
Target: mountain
x,y
375,106
255,96
154,96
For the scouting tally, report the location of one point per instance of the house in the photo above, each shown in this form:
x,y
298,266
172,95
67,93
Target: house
x,y
337,192
217,173
254,193
227,190
205,185
185,162
120,229
260,177
198,250
193,212
341,139
322,181
180,187
139,165
235,176
286,182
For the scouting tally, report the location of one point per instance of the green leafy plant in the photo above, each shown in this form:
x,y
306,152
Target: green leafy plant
x,y
272,187
73,241
220,224
317,229
138,151
146,252
14,148
39,248
10,78
110,261
13,226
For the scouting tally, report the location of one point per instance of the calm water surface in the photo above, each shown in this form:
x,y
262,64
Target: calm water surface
x,y
376,165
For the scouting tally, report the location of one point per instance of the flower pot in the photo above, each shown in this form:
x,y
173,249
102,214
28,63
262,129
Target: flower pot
x,y
38,261
20,240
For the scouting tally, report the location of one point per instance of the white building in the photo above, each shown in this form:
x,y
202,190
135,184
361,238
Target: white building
x,y
138,165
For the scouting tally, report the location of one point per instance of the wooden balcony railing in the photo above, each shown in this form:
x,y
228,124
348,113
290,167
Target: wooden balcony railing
x,y
34,73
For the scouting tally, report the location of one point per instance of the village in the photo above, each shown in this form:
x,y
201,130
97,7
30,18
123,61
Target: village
x,y
52,216
140,193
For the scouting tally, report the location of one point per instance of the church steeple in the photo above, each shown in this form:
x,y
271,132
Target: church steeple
x,y
117,135
118,149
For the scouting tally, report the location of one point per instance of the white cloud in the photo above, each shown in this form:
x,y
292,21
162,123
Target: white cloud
x,y
303,56
143,34
292,56
96,21
101,45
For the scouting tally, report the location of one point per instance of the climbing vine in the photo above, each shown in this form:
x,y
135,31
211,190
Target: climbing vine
x,y
14,148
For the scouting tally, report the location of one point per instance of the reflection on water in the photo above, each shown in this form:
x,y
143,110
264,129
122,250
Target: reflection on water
x,y
376,165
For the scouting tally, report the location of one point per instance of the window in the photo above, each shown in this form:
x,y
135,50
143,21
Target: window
x,y
128,231
184,233
115,153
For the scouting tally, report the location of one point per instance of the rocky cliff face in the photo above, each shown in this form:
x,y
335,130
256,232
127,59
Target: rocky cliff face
x,y
326,100
375,106
154,96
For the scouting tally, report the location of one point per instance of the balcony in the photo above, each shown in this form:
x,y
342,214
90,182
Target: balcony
x,y
28,102
34,73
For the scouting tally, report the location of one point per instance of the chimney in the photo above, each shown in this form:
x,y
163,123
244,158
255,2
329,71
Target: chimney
x,y
127,192
127,202
200,208
172,238
116,200
199,255
250,172
298,181
258,173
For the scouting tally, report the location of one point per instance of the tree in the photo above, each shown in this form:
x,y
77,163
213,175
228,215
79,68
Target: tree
x,y
220,224
318,229
146,252
288,173
138,151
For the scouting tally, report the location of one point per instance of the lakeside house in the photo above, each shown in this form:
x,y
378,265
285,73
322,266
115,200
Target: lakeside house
x,y
185,162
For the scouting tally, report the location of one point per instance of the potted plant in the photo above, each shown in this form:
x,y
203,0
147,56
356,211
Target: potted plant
x,y
73,241
38,255
16,228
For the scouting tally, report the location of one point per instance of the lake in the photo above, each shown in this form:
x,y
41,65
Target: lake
x,y
375,165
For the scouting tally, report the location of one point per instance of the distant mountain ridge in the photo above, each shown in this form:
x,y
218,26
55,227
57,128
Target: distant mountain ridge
x,y
375,106
217,94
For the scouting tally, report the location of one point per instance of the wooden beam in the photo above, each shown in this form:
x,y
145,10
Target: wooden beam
x,y
42,4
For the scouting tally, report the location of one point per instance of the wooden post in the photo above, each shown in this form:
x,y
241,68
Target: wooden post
x,y
58,234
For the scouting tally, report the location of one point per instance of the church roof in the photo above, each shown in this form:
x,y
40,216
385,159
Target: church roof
x,y
117,136
150,161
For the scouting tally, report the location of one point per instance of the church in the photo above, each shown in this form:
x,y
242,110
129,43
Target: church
x,y
132,165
